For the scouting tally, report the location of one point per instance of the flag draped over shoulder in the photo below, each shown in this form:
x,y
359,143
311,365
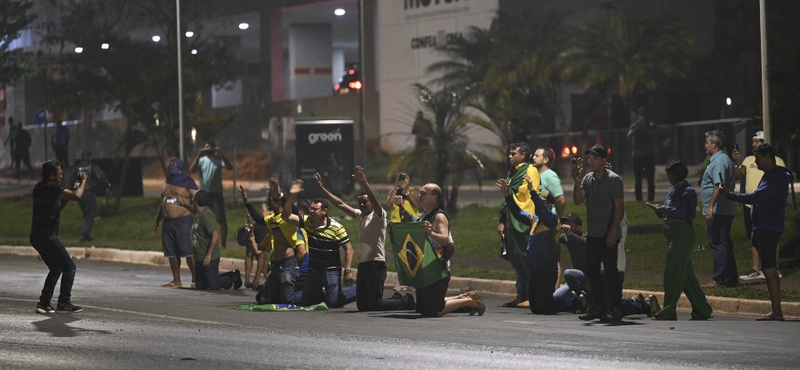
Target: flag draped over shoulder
x,y
520,228
417,263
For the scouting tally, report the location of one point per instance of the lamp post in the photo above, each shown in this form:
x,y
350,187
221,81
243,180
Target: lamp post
x,y
180,78
765,74
361,96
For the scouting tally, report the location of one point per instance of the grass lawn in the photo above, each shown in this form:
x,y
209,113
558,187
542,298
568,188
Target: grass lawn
x,y
474,231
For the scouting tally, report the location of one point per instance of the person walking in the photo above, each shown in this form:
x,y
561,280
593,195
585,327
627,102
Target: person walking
x,y
678,212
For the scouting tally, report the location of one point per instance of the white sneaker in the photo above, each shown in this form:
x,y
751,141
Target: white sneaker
x,y
753,275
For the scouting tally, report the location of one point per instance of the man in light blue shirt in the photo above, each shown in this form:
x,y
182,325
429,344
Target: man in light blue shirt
x,y
210,161
719,211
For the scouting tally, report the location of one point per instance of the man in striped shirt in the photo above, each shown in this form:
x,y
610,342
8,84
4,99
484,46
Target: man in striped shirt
x,y
325,237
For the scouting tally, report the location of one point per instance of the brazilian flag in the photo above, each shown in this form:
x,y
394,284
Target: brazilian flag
x,y
417,263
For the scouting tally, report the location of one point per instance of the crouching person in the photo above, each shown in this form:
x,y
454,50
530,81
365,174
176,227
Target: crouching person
x,y
205,237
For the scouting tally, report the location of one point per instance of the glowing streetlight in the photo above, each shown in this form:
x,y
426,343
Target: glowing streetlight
x,y
104,46
194,135
339,12
243,26
189,34
194,51
156,38
78,50
728,101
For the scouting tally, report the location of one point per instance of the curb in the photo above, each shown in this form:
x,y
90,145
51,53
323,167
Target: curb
x,y
734,306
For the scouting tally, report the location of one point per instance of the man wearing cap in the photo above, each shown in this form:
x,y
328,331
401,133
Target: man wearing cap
x,y
719,211
602,191
574,239
749,171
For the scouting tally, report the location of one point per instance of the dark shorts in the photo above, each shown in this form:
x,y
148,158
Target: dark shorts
x,y
766,242
430,300
176,237
217,204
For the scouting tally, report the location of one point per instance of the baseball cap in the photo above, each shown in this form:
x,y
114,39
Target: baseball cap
x,y
598,150
759,136
572,218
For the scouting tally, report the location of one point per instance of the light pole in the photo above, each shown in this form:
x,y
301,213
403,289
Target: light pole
x,y
765,74
361,96
180,79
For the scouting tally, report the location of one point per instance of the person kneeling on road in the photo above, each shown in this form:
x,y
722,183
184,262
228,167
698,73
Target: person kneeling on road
x,y
205,237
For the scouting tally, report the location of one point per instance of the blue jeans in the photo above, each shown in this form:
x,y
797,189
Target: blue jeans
x,y
519,264
630,306
719,240
566,296
282,277
209,277
57,259
325,286
369,292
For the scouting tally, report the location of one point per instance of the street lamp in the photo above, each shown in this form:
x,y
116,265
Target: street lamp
x,y
728,101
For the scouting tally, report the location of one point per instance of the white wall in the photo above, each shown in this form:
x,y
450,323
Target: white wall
x,y
407,32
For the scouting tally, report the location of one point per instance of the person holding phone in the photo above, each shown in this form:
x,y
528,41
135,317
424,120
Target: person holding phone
x,y
751,174
402,188
719,211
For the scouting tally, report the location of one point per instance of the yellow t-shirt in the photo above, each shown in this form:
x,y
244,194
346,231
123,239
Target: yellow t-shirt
x,y
752,174
394,213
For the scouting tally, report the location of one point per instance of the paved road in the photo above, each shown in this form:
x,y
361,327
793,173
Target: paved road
x,y
130,322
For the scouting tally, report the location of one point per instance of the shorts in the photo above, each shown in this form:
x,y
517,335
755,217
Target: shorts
x,y
766,243
176,237
430,299
217,204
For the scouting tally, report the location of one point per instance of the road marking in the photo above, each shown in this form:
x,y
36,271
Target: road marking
x,y
152,315
521,322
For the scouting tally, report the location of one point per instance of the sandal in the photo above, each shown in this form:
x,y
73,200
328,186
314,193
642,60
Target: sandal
x,y
171,285
481,308
770,317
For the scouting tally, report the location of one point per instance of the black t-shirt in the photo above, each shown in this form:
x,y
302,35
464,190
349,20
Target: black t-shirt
x,y
46,208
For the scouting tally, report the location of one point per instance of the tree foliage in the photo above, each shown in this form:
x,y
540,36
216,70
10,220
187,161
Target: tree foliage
x,y
629,54
15,16
442,155
133,74
511,69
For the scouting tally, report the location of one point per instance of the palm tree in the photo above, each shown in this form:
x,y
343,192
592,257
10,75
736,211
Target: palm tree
x,y
629,54
511,69
444,129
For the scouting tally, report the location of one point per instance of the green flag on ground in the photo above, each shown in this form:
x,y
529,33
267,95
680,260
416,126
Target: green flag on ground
x,y
417,263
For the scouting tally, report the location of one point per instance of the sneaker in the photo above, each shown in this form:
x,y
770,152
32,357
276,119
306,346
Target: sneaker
x,y
68,308
654,306
753,275
44,309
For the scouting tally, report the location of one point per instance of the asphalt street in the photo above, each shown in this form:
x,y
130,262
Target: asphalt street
x,y
131,322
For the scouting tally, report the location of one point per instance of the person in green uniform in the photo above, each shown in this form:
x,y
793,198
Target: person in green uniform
x,y
678,212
